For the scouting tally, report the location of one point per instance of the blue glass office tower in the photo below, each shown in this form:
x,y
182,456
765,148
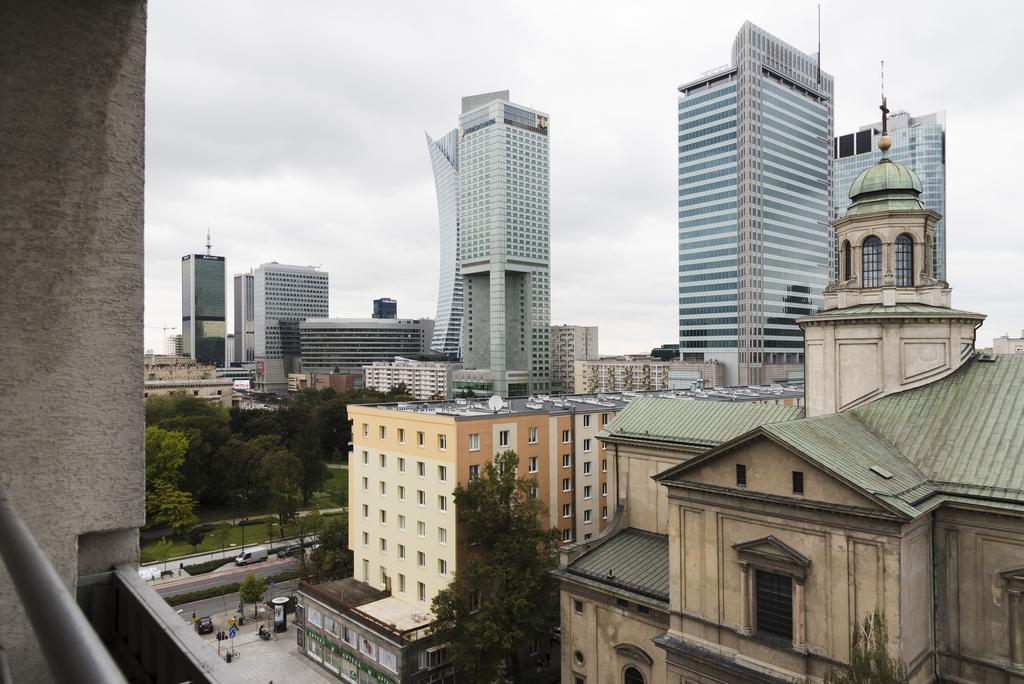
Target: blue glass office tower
x,y
754,207
444,158
919,143
203,321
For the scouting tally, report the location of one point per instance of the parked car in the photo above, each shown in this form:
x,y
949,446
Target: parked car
x,y
290,550
556,635
203,625
253,555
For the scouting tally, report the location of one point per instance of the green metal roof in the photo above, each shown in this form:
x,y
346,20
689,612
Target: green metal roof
x,y
692,423
957,439
634,560
895,311
965,432
886,186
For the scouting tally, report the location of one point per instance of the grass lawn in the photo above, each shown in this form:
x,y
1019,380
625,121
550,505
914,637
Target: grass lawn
x,y
254,534
333,495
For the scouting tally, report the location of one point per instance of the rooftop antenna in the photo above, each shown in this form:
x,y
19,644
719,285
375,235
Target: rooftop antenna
x,y
885,142
208,245
819,43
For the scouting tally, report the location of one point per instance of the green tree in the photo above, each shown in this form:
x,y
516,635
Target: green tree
x,y
206,426
221,532
167,505
282,473
162,550
331,559
195,538
251,590
870,662
503,595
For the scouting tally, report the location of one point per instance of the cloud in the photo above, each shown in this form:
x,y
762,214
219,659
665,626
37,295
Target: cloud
x,y
295,132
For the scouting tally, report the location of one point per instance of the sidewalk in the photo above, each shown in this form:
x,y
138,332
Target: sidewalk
x,y
259,661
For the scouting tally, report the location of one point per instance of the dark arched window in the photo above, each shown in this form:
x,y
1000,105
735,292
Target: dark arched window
x,y
872,262
904,261
632,676
847,261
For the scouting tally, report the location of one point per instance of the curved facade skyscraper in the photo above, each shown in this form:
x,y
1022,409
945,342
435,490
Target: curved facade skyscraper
x,y
444,157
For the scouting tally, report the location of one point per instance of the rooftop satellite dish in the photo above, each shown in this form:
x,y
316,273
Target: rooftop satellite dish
x,y
495,403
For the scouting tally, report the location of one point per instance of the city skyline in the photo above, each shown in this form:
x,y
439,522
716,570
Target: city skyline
x,y
309,191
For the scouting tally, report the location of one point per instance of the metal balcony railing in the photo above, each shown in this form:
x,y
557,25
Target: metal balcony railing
x,y
118,630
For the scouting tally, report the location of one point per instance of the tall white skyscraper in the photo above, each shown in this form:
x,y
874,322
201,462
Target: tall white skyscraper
x,y
444,157
504,244
245,330
283,296
754,190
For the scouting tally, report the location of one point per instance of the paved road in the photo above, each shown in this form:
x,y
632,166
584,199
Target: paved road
x,y
228,603
181,585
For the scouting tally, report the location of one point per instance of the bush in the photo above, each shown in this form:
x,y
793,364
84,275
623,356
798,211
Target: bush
x,y
205,567
209,592
255,521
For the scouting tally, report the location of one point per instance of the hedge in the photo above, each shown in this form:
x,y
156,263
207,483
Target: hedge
x,y
212,592
208,566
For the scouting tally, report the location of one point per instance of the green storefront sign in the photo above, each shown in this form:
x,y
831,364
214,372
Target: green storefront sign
x,y
383,679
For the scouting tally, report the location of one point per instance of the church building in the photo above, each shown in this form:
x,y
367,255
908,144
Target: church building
x,y
748,545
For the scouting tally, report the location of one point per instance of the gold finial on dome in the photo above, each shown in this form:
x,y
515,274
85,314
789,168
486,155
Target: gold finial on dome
x,y
885,142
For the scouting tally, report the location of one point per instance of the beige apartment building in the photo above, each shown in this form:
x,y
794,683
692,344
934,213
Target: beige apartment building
x,y
645,374
569,344
749,545
425,380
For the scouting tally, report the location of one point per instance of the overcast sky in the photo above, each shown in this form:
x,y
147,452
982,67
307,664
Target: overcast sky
x,y
294,132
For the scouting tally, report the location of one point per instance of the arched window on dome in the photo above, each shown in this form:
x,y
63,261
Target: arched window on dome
x,y
847,261
872,262
904,261
632,676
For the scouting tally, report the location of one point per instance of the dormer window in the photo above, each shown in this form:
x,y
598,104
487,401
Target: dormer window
x,y
904,261
872,262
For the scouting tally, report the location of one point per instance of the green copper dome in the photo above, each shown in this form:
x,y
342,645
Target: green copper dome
x,y
886,186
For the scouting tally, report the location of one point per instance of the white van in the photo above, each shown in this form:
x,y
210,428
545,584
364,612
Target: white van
x,y
253,555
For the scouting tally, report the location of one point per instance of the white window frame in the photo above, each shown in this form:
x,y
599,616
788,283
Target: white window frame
x,y
474,442
532,464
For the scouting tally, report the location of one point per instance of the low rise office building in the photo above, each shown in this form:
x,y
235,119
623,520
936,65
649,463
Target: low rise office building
x,y
345,345
363,634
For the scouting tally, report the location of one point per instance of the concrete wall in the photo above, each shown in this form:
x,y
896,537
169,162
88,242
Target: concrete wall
x,y
72,76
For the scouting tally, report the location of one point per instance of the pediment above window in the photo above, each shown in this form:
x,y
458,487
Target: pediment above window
x,y
771,554
634,652
1014,579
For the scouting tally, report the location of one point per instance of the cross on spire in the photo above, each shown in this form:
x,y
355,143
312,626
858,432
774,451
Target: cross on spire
x,y
885,110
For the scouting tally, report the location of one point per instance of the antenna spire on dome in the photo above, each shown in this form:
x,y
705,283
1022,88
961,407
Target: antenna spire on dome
x,y
885,142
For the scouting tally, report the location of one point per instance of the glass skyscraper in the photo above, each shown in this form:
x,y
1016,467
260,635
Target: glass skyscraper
x,y
444,157
504,244
203,320
919,143
754,193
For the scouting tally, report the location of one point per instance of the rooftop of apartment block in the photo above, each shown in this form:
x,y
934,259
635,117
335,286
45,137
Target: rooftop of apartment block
x,y
590,403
